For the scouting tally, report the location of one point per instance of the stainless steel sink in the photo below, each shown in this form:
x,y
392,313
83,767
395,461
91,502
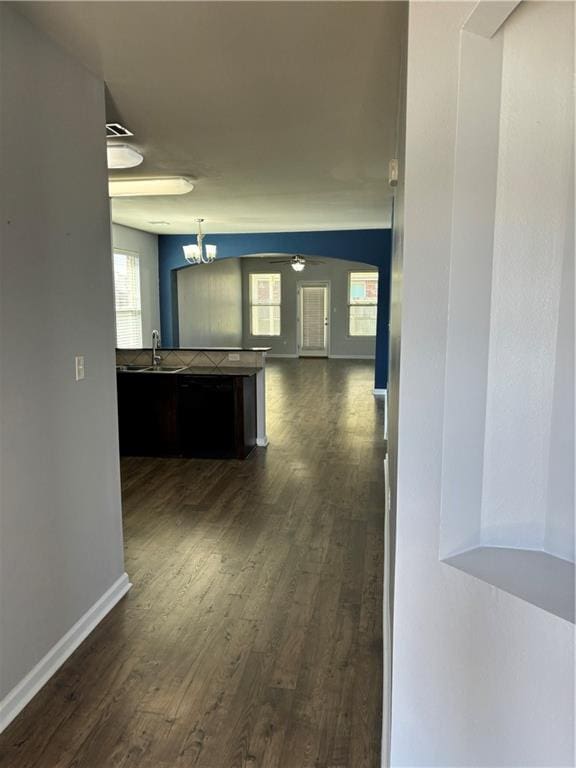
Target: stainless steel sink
x,y
131,367
165,369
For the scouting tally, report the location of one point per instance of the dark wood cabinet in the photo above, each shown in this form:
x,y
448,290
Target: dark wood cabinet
x,y
205,416
207,413
148,415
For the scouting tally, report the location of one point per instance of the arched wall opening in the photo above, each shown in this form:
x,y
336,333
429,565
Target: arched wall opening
x,y
368,247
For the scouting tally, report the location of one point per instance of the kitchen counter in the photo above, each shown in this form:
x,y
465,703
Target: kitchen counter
x,y
198,349
203,370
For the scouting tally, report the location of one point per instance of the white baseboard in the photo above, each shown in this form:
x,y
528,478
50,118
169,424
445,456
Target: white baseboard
x,y
386,418
379,392
387,625
262,441
15,701
331,357
352,357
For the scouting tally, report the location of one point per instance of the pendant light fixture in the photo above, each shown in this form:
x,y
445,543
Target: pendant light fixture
x,y
198,253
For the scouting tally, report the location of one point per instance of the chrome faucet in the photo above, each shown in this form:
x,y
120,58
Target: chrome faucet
x,y
156,358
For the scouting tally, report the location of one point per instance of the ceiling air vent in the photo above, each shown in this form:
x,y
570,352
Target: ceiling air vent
x,y
115,130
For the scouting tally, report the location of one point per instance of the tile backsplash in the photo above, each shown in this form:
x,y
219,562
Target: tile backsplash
x,y
211,358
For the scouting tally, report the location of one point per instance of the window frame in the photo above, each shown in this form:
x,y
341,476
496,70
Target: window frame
x,y
136,255
251,305
349,304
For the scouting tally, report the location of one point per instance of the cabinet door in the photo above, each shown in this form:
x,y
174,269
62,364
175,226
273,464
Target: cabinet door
x,y
206,416
162,407
147,414
245,411
129,416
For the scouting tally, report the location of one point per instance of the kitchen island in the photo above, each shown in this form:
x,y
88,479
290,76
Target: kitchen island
x,y
187,405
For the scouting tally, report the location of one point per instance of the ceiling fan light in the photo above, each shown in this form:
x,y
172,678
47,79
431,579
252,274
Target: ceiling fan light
x,y
123,156
173,185
298,265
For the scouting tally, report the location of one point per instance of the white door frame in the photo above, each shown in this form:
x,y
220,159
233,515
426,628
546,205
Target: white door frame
x,y
328,309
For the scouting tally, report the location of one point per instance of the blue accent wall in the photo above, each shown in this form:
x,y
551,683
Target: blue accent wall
x,y
368,246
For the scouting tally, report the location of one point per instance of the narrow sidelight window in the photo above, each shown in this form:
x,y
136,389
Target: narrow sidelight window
x,y
265,303
128,304
362,303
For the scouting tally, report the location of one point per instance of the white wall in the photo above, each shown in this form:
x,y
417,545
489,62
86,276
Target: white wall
x,y
336,272
210,304
60,514
480,678
532,258
145,245
392,398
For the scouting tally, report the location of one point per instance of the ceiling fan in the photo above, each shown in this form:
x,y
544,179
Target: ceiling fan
x,y
297,262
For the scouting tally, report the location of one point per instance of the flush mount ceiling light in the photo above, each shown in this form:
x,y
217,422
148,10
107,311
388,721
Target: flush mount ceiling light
x,y
172,185
123,156
198,253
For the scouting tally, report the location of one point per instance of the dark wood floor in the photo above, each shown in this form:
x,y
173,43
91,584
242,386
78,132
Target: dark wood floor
x,y
252,636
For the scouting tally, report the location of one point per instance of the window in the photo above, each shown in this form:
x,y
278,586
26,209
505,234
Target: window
x,y
265,301
362,303
128,306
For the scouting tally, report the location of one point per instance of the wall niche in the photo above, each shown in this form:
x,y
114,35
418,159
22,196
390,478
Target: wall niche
x,y
508,455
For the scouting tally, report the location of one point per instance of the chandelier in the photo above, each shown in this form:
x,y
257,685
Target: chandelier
x,y
198,253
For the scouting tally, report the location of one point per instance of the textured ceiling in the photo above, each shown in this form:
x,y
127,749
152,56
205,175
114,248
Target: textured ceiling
x,y
283,113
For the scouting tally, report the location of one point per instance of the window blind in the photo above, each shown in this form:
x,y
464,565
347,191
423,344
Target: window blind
x,y
265,302
362,303
128,304
313,318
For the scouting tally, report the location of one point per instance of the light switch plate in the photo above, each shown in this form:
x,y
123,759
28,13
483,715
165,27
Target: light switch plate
x,y
79,364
